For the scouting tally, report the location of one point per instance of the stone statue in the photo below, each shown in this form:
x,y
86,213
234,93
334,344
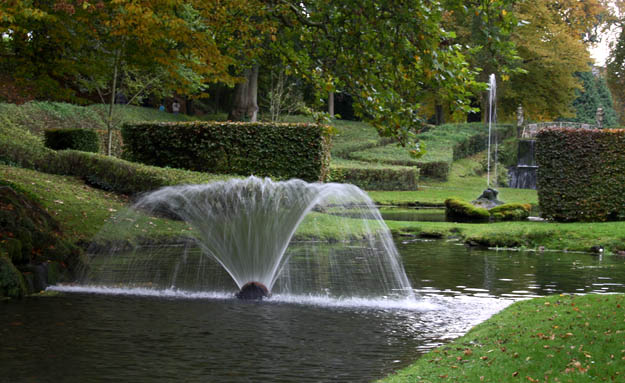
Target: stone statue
x,y
599,117
488,199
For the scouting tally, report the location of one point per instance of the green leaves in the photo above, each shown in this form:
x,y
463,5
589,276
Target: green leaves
x,y
581,174
263,149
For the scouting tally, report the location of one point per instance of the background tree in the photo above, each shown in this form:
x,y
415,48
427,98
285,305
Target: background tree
x,y
95,46
387,55
551,47
594,94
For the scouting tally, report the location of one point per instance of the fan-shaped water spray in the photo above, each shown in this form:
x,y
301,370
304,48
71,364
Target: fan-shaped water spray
x,y
246,226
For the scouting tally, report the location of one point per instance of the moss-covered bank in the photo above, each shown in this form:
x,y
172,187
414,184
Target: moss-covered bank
x,y
32,242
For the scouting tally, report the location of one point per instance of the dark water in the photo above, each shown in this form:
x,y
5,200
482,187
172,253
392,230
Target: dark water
x,y
407,214
204,337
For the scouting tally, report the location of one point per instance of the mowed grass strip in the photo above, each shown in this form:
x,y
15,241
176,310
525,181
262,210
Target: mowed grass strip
x,y
552,339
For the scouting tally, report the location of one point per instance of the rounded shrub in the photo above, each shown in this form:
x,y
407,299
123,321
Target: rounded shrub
x,y
11,281
77,139
510,212
462,211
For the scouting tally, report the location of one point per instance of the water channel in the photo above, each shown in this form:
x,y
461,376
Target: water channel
x,y
87,334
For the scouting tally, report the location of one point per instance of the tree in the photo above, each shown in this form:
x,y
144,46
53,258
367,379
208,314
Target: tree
x,y
387,55
595,94
93,45
550,44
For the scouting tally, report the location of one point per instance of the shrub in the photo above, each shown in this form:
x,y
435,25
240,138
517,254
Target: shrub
x,y
11,281
479,142
117,146
122,176
375,178
76,139
280,150
438,170
463,211
581,174
510,212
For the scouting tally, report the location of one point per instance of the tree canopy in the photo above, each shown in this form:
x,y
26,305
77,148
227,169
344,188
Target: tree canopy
x,y
391,57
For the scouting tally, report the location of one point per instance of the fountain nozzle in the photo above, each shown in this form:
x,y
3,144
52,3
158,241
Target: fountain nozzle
x,y
253,291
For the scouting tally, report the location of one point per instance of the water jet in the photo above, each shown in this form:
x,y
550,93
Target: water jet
x,y
246,228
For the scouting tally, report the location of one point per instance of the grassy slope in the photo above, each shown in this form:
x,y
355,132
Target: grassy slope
x,y
37,116
553,339
83,211
439,143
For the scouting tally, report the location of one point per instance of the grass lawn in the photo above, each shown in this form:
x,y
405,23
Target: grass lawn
x,y
554,339
84,211
81,210
528,235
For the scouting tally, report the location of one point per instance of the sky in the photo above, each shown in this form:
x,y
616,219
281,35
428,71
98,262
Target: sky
x,y
600,51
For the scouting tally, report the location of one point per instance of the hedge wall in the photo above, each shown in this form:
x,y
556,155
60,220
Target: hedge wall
x,y
581,174
281,150
120,176
372,178
85,140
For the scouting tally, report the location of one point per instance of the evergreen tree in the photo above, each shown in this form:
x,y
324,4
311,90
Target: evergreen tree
x,y
595,94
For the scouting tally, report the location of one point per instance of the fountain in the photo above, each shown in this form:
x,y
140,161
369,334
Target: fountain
x,y
492,119
246,226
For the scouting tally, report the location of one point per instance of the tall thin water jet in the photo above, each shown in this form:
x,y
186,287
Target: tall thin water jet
x,y
246,226
492,119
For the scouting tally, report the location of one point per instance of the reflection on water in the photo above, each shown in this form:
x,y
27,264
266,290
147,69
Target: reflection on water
x,y
140,334
452,269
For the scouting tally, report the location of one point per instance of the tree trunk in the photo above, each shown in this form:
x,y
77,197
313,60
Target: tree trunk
x,y
331,104
438,114
245,105
109,120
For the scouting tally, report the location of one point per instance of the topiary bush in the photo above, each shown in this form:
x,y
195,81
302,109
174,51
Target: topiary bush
x,y
77,139
581,174
282,150
462,211
510,212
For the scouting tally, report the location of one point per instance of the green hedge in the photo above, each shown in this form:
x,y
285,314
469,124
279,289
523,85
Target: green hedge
x,y
581,174
375,178
76,139
121,176
437,169
479,142
280,150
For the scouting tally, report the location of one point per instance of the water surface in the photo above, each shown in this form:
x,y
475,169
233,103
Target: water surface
x,y
142,335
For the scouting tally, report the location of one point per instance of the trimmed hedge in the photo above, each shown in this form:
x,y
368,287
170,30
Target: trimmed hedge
x,y
76,139
117,145
373,178
121,176
581,174
438,169
282,150
479,142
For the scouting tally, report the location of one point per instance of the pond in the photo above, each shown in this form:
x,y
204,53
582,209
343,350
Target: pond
x,y
141,335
